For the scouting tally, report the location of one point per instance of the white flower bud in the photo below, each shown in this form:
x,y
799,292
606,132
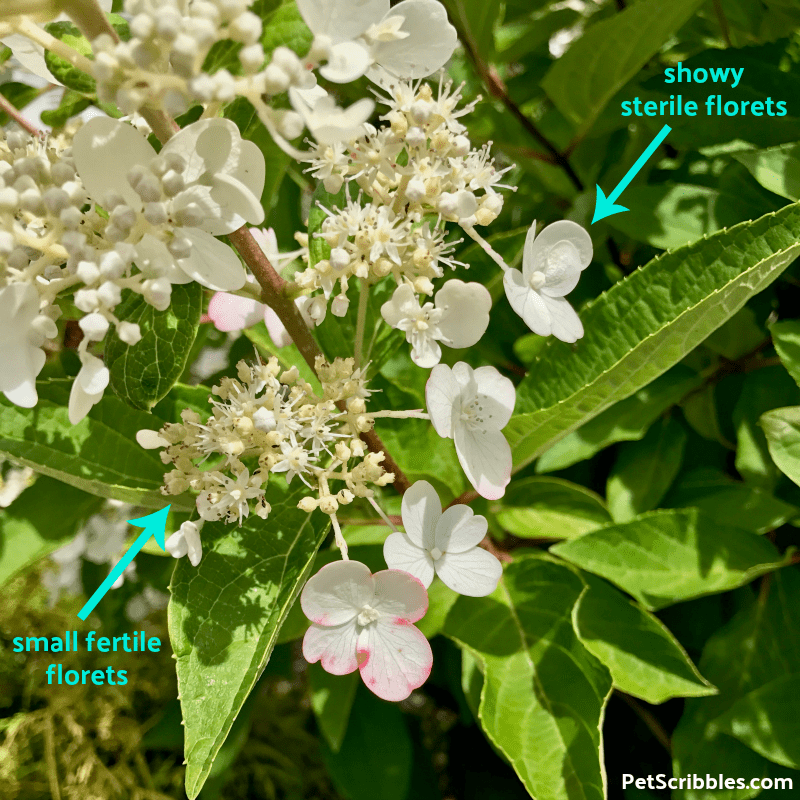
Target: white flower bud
x,y
415,190
173,183
109,294
416,137
111,265
340,258
87,271
276,80
287,60
290,124
94,326
86,300
308,504
252,57
155,213
340,305
129,332
157,292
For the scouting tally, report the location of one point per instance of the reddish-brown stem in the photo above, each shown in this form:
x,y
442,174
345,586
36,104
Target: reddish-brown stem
x,y
8,108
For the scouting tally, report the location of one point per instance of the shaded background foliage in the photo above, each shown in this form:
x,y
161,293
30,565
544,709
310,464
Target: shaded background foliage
x,y
651,594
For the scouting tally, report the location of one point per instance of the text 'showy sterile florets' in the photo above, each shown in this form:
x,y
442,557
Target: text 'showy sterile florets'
x,y
267,421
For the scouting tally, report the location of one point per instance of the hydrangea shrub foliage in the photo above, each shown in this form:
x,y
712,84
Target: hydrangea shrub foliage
x,y
321,275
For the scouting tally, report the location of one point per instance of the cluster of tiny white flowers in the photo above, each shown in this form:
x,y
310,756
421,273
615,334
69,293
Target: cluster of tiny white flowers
x,y
419,164
270,421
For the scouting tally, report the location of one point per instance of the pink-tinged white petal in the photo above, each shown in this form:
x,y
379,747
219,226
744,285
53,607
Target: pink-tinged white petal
x,y
276,329
442,393
567,325
430,42
104,150
229,312
474,573
459,529
394,658
401,553
466,309
496,396
337,593
485,457
398,594
420,510
212,263
334,647
527,303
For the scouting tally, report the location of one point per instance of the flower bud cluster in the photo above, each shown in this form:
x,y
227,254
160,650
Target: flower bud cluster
x,y
51,246
267,421
420,164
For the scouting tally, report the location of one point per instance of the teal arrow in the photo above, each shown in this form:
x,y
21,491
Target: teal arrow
x,y
154,525
605,206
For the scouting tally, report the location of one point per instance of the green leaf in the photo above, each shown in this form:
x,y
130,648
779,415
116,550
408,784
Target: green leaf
x,y
543,691
225,614
45,516
629,420
763,390
550,508
143,373
782,428
730,502
475,19
668,556
72,103
658,314
99,455
441,599
644,658
776,168
644,470
766,720
19,95
332,699
609,54
283,26
786,338
376,757
759,645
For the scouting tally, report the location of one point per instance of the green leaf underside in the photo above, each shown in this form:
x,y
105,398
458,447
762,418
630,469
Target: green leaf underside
x,y
786,338
551,508
543,691
667,556
142,374
644,658
99,455
332,699
44,517
759,645
609,54
225,615
646,323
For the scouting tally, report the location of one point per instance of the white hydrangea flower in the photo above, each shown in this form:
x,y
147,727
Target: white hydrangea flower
x,y
442,543
22,333
328,122
364,621
88,387
472,407
458,317
186,541
411,40
206,178
551,266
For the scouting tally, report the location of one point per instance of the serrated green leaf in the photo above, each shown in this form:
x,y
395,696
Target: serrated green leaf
x,y
143,373
609,54
627,421
646,323
99,455
759,645
644,470
44,517
332,699
766,720
644,658
782,428
786,338
543,691
225,614
550,508
667,556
